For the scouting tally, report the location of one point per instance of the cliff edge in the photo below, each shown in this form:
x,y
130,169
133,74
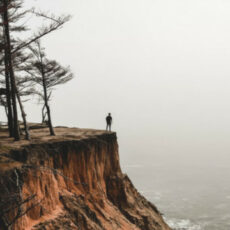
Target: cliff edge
x,y
70,181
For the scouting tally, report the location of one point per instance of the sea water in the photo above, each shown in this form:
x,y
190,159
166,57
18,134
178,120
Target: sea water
x,y
192,195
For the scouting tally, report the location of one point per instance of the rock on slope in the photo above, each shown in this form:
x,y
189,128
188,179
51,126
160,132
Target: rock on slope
x,y
71,182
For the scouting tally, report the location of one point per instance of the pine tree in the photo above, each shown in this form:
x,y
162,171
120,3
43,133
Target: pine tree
x,y
10,49
48,74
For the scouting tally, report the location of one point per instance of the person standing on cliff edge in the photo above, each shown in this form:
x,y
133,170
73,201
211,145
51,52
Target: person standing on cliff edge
x,y
108,122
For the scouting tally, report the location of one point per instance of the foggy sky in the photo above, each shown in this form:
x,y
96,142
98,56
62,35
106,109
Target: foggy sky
x,y
161,67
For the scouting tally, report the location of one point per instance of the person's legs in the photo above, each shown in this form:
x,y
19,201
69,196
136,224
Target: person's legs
x,y
107,127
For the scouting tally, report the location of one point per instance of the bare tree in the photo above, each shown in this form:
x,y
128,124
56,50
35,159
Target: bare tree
x,y
13,204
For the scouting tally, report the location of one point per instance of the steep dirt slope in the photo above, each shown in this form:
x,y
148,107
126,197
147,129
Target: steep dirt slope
x,y
71,181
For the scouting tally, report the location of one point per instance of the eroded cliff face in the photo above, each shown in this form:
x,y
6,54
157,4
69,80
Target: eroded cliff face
x,y
72,184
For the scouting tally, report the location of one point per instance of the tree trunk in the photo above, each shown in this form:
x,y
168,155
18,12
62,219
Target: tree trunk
x,y
46,100
47,107
49,120
23,117
8,100
43,114
6,110
8,93
11,71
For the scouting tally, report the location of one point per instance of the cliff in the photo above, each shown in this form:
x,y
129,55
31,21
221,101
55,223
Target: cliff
x,y
70,181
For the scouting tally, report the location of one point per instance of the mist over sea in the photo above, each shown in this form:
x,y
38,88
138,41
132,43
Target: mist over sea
x,y
192,194
162,69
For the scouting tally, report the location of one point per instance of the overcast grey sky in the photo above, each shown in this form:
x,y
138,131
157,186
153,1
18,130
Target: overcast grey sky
x,y
161,67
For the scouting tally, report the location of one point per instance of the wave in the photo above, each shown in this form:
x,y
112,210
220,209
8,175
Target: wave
x,y
182,224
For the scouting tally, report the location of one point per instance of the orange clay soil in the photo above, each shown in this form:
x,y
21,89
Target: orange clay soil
x,y
77,182
40,134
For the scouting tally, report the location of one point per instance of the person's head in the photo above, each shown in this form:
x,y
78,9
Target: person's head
x,y
109,114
